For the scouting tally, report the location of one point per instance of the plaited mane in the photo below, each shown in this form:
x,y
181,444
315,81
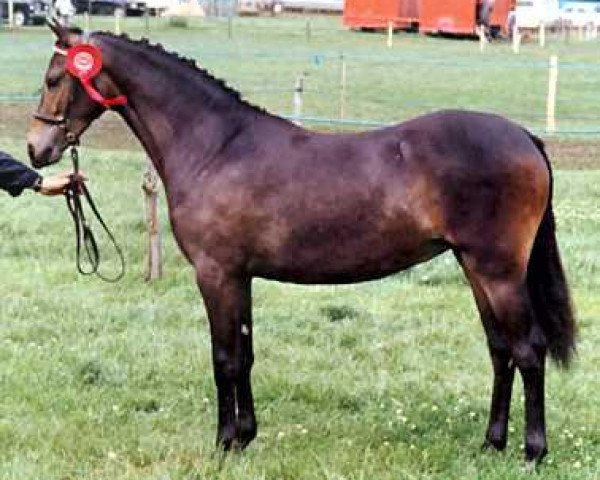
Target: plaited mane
x,y
184,61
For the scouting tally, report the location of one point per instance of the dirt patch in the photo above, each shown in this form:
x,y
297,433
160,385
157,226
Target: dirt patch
x,y
574,154
108,132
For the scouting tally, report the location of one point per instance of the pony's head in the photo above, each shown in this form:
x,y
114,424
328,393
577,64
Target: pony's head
x,y
75,92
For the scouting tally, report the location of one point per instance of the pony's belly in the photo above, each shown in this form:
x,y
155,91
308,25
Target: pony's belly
x,y
330,266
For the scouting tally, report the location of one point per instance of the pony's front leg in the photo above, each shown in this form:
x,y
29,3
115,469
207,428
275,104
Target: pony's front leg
x,y
246,420
227,298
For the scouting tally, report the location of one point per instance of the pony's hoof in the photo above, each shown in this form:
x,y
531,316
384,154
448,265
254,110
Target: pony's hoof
x,y
226,439
235,443
535,453
532,461
496,445
246,431
530,466
225,445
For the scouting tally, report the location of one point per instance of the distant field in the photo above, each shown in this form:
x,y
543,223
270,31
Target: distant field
x,y
384,380
264,56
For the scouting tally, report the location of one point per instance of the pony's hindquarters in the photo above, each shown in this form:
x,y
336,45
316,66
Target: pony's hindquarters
x,y
521,292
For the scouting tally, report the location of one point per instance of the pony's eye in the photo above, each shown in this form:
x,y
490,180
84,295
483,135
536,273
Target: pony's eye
x,y
53,81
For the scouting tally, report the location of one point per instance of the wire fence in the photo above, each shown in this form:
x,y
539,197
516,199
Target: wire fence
x,y
351,82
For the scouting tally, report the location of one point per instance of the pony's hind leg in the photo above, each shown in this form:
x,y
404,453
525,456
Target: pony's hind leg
x,y
504,373
517,338
503,367
227,298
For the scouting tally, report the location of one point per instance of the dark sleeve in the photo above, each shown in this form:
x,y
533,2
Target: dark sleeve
x,y
15,176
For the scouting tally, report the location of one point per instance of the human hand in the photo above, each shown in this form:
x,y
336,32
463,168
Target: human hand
x,y
57,184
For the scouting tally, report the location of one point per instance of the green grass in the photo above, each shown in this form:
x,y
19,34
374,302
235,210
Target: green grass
x,y
387,379
383,380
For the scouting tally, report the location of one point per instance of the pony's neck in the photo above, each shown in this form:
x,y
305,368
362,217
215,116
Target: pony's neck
x,y
181,115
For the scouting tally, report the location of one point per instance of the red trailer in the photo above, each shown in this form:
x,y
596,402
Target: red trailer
x,y
379,13
459,17
431,16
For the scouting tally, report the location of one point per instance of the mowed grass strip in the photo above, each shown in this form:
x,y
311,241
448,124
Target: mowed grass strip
x,y
383,380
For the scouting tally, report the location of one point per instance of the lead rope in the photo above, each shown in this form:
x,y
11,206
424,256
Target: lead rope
x,y
83,232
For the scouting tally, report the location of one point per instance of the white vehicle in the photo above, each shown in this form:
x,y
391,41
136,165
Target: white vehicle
x,y
529,14
314,5
254,7
580,14
64,8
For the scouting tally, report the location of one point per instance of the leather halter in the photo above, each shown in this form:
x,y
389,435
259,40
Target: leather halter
x,y
59,121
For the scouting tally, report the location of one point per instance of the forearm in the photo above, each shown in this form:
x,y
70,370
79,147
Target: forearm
x,y
15,176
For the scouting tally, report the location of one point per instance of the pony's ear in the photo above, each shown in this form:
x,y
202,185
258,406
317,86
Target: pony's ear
x,y
65,37
61,32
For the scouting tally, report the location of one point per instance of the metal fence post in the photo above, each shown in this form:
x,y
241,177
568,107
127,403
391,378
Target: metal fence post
x,y
298,92
343,83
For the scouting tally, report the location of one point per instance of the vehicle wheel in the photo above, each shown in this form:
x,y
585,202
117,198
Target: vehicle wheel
x,y
20,18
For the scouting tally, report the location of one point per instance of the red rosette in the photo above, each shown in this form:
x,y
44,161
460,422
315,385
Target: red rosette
x,y
84,61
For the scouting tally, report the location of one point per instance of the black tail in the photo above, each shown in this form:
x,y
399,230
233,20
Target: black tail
x,y
548,286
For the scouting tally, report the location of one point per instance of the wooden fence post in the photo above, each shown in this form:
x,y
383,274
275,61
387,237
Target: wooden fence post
x,y
551,100
154,250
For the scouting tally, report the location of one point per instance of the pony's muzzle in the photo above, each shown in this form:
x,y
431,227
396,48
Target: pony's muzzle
x,y
42,157
44,145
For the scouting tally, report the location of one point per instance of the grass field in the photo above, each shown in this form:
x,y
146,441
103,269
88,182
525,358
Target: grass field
x,y
383,380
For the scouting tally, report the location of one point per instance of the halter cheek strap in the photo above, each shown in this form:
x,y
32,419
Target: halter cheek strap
x,y
84,62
